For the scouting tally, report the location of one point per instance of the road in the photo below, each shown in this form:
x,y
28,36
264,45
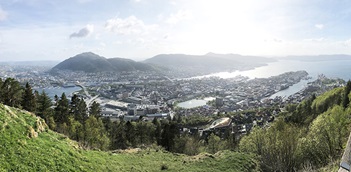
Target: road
x,y
89,100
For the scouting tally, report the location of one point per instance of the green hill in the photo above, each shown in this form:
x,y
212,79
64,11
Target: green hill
x,y
26,144
91,63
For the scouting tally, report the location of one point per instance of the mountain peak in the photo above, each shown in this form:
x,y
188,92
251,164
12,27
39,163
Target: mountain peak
x,y
91,62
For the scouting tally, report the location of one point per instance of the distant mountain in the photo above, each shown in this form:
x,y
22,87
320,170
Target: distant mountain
x,y
45,63
318,58
209,62
177,65
90,62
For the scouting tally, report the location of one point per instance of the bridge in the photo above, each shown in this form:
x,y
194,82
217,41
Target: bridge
x,y
89,100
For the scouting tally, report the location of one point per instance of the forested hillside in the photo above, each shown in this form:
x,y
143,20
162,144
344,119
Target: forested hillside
x,y
309,136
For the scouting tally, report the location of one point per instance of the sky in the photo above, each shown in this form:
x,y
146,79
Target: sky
x,y
140,29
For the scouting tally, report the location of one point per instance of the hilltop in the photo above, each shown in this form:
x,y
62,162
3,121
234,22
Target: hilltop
x,y
27,144
90,63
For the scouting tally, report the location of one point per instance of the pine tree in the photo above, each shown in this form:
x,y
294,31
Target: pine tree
x,y
78,109
95,109
62,110
118,136
28,99
158,131
44,106
11,93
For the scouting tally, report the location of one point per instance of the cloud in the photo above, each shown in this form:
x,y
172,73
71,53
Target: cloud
x,y
128,26
86,31
3,14
319,26
179,16
347,43
316,39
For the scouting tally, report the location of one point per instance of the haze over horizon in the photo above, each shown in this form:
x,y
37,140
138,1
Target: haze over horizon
x,y
139,29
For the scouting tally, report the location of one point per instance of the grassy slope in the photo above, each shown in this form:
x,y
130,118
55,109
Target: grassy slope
x,y
51,151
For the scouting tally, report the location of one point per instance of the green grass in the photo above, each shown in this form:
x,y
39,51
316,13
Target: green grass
x,y
50,151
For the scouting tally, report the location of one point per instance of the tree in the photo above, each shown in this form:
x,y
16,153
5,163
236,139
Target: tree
x,y
347,89
95,134
118,135
213,143
78,109
28,99
62,110
76,129
95,109
169,132
158,131
44,107
11,93
130,133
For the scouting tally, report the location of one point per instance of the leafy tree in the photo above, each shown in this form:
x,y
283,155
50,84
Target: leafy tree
x,y
347,89
95,135
213,143
76,129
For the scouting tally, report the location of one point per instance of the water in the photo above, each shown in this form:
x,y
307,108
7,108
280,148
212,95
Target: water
x,y
52,91
332,69
194,103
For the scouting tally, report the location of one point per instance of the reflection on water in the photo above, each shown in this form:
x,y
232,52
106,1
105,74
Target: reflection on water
x,y
334,69
194,103
52,91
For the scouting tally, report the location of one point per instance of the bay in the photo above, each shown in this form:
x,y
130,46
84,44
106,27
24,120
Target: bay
x,y
52,91
329,68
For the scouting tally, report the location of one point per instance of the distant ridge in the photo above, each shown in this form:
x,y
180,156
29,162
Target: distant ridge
x,y
310,58
90,63
167,64
210,62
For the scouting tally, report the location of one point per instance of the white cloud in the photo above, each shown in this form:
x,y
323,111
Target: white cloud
x,y
128,26
319,26
86,31
316,39
179,16
347,43
3,14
